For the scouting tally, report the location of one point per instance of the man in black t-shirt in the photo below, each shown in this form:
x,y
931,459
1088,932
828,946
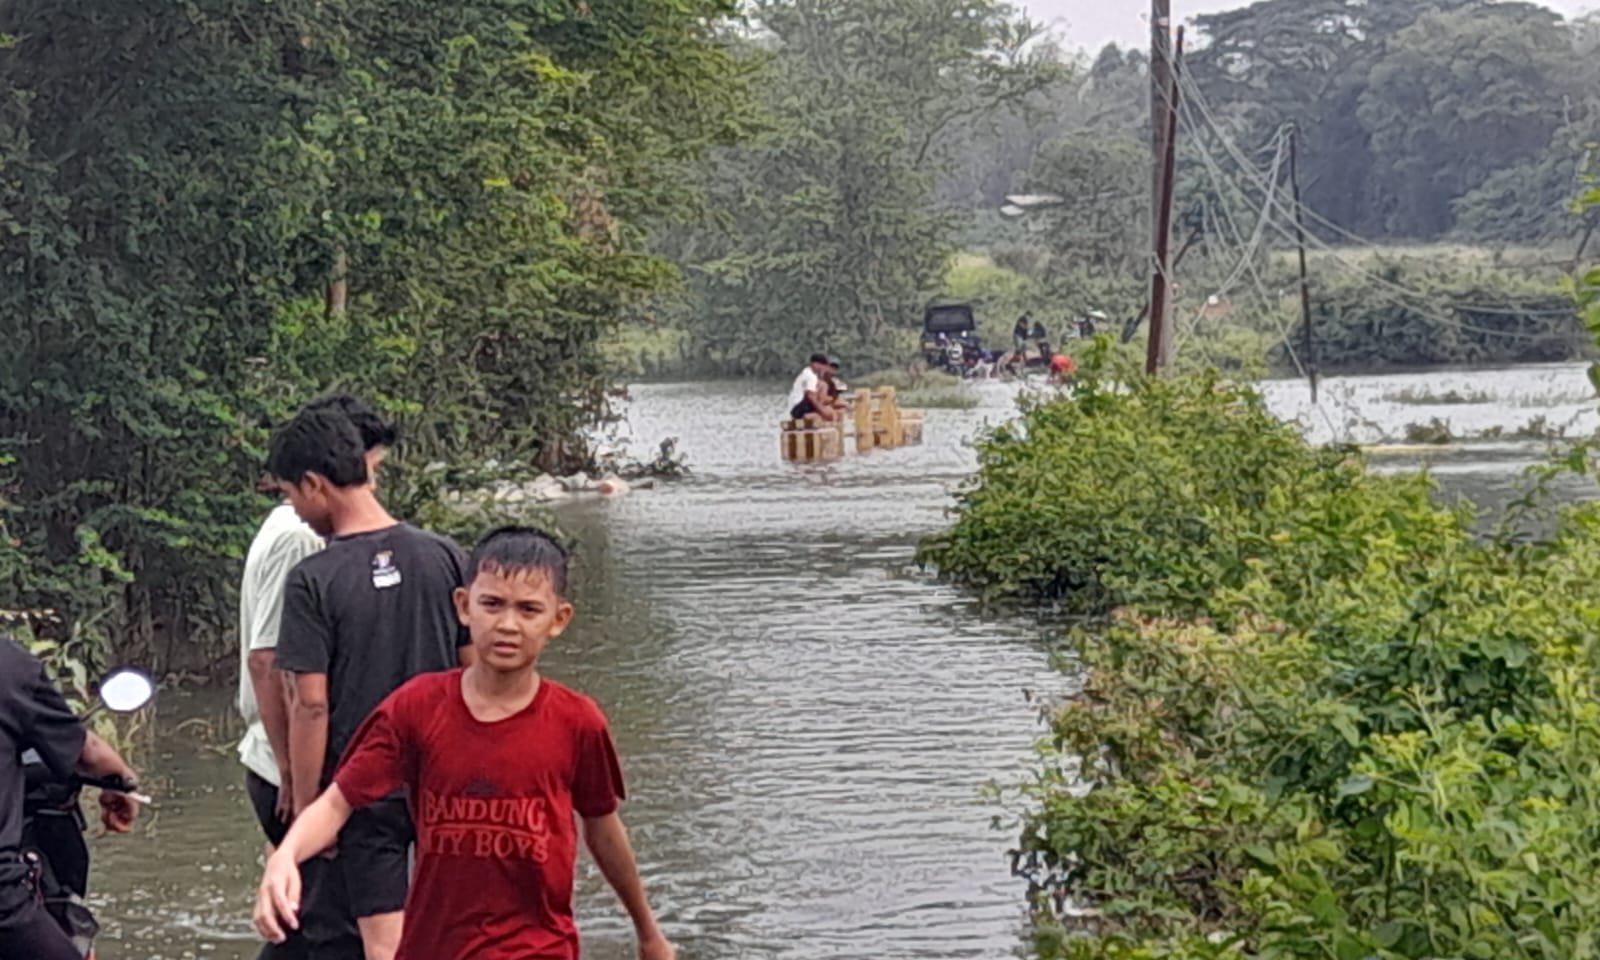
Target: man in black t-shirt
x,y
370,611
34,716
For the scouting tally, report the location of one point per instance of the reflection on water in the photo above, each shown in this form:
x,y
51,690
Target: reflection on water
x,y
806,721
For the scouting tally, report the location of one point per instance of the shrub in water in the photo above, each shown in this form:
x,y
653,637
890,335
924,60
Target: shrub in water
x,y
1326,721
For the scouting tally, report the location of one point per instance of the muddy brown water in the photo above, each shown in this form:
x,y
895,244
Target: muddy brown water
x,y
807,722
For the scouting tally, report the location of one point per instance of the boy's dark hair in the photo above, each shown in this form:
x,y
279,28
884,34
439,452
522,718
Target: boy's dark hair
x,y
375,431
318,441
819,358
514,550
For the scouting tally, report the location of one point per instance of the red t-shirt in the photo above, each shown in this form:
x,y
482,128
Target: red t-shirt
x,y
493,804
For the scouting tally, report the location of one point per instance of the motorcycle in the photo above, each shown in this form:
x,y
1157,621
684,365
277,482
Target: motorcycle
x,y
53,844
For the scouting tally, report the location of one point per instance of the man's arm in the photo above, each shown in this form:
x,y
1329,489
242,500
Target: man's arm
x,y
101,759
304,654
308,737
118,811
607,840
819,400
271,689
272,699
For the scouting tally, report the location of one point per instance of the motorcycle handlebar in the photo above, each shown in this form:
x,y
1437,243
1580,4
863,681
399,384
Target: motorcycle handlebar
x,y
116,784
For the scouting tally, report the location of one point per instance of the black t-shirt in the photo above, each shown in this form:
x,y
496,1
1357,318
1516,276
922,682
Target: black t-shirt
x,y
33,716
371,610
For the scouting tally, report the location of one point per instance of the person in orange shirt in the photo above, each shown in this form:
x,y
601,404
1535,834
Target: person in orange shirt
x,y
1062,367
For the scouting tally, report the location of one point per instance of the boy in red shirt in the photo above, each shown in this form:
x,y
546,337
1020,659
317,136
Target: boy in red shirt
x,y
496,759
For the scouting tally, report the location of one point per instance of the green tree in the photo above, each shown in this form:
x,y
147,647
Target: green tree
x,y
1404,107
829,237
1455,97
211,211
1102,221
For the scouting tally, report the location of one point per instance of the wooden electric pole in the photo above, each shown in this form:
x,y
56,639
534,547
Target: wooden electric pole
x,y
1160,79
1300,241
1158,354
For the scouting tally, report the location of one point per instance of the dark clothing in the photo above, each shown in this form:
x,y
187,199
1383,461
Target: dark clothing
x,y
375,857
371,611
264,799
27,932
803,409
370,874
33,716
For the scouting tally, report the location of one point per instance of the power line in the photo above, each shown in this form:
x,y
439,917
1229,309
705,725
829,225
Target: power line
x,y
1401,295
1194,96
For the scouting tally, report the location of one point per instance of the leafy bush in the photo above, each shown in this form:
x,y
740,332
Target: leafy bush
x,y
1388,765
1155,493
1327,720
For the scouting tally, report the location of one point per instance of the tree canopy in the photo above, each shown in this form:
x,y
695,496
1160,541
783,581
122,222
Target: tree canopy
x,y
211,211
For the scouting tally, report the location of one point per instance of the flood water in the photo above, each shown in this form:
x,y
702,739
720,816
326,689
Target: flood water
x,y
806,721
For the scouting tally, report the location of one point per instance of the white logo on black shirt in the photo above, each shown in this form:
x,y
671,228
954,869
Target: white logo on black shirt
x,y
384,572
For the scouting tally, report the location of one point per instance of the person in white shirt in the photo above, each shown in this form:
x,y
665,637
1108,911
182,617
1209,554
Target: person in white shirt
x,y
281,543
806,400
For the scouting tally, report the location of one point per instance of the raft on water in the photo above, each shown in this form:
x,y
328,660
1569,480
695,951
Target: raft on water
x,y
878,421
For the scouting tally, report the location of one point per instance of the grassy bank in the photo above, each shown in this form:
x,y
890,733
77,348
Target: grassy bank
x,y
1319,716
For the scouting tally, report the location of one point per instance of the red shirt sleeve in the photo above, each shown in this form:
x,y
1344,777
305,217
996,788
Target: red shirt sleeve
x,y
597,788
380,757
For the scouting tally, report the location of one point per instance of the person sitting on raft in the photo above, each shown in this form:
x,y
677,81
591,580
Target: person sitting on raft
x,y
808,397
834,387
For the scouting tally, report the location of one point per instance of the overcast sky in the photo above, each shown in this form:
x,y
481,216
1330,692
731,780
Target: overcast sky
x,y
1091,24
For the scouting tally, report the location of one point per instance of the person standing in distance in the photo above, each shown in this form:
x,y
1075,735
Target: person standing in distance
x,y
282,542
370,611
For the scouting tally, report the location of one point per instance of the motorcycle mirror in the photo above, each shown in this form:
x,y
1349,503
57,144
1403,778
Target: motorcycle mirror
x,y
126,690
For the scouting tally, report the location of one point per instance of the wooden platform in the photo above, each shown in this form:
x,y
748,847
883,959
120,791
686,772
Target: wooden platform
x,y
878,423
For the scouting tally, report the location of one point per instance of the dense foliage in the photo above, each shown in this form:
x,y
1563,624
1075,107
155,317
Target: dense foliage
x,y
1156,496
1465,121
1325,718
1408,109
825,232
212,211
1587,290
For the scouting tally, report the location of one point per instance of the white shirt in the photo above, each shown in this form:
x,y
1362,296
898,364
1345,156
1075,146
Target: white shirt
x,y
806,382
281,543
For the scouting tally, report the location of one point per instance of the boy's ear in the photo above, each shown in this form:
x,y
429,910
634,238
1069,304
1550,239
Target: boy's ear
x,y
564,614
314,482
463,599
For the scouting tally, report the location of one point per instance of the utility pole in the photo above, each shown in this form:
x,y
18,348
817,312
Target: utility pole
x,y
1160,80
1300,240
1158,354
